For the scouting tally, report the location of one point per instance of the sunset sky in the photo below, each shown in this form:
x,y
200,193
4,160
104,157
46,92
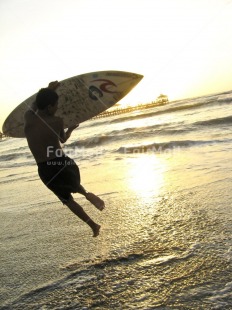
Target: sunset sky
x,y
182,47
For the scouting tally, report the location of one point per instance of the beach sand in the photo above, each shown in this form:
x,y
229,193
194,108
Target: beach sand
x,y
165,241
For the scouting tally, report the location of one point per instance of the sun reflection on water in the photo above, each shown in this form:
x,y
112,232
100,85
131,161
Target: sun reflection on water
x,y
145,175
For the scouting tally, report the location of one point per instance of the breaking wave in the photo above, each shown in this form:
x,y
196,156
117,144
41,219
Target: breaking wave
x,y
165,146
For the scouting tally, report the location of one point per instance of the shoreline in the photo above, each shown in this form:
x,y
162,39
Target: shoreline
x,y
53,261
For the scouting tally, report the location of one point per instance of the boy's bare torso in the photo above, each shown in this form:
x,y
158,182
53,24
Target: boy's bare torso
x,y
43,133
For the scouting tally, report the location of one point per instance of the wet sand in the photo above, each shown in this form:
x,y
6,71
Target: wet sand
x,y
165,241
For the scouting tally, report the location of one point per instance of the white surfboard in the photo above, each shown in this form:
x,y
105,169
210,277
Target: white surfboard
x,y
80,98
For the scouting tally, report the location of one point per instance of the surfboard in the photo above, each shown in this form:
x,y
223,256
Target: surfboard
x,y
80,98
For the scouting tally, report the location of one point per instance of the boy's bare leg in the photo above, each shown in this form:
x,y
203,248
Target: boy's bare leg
x,y
78,210
95,200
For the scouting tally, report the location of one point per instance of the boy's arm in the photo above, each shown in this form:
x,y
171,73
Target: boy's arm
x,y
64,136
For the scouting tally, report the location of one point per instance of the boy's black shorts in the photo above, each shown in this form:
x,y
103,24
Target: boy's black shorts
x,y
61,175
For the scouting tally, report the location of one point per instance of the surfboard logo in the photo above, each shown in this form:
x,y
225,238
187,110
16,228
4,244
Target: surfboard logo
x,y
95,93
106,87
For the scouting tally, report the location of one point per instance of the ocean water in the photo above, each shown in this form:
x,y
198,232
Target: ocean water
x,y
165,174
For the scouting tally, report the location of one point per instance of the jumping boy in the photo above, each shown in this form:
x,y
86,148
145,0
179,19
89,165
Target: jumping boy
x,y
44,132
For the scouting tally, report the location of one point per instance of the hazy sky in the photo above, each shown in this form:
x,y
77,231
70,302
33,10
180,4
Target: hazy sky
x,y
182,47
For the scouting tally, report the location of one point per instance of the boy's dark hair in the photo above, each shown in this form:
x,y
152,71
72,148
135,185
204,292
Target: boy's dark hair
x,y
45,97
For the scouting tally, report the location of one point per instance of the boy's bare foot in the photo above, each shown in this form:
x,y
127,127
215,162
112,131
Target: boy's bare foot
x,y
96,230
96,201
